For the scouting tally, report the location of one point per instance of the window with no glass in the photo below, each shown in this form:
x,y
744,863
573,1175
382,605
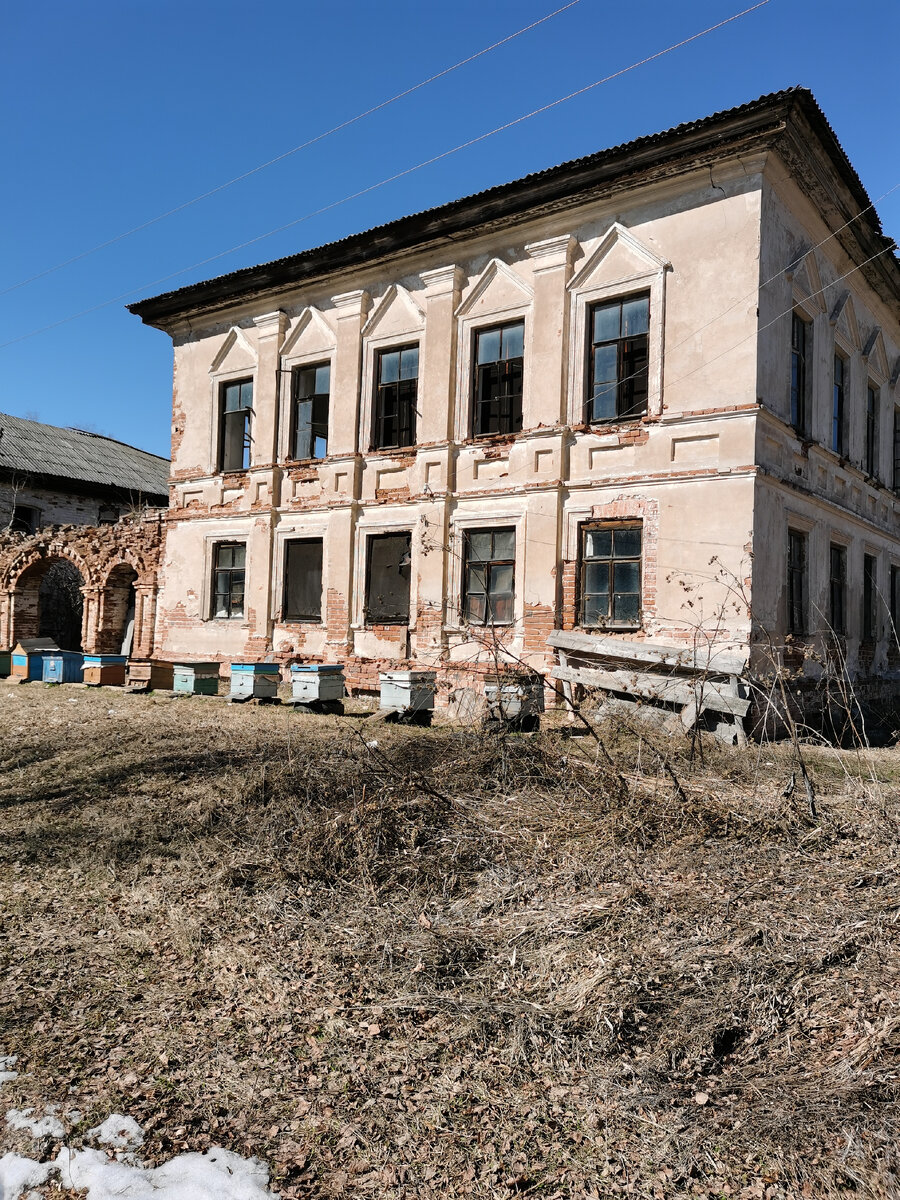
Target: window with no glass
x,y
311,391
838,433
837,589
228,580
303,579
618,364
800,348
871,463
396,391
489,576
796,582
236,408
25,519
869,597
499,376
896,477
895,607
387,579
610,591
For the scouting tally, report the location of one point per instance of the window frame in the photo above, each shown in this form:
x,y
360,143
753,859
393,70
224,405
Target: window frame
x,y
590,356
871,445
868,630
587,527
295,373
837,588
470,564
380,390
801,375
894,606
797,580
370,538
287,543
18,525
839,404
217,547
498,326
239,382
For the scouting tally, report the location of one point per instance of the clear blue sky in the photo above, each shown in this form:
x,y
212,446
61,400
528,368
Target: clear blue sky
x,y
116,110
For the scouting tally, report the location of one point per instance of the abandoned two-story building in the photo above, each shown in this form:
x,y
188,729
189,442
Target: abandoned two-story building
x,y
651,392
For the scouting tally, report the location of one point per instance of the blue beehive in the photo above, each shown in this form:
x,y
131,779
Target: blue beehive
x,y
256,680
196,679
65,666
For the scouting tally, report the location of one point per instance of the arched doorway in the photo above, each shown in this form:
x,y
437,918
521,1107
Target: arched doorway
x,y
116,634
48,602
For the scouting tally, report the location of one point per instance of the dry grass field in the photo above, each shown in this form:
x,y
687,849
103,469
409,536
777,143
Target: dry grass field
x,y
450,963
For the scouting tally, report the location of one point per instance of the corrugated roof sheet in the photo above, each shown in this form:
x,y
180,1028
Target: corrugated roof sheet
x,y
32,448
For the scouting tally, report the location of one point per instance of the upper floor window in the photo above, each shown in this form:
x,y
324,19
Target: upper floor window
x,y
610,589
236,406
499,376
303,579
796,582
619,364
871,463
896,476
801,347
837,588
228,579
396,391
489,578
311,391
838,430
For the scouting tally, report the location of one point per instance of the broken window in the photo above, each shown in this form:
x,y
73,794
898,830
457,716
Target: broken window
x,y
396,391
237,405
837,589
800,356
303,579
796,582
25,519
618,370
107,514
387,579
838,431
228,579
499,375
311,391
869,596
871,463
611,575
489,578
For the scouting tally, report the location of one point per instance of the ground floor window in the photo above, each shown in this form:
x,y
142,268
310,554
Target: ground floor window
x,y
303,579
610,591
387,579
837,589
489,576
796,582
228,579
870,594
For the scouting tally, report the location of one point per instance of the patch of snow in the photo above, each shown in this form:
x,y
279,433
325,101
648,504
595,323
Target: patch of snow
x,y
18,1173
216,1175
7,1062
73,1116
38,1127
122,1133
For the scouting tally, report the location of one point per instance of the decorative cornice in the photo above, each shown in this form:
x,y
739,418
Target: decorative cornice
x,y
350,304
551,253
271,324
442,281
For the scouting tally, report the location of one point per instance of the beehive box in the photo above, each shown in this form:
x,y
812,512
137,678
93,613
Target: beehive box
x,y
28,657
311,682
196,679
409,691
258,681
107,670
63,667
517,702
147,676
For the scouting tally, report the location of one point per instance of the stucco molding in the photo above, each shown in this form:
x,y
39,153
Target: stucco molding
x,y
844,321
875,356
495,269
806,281
235,337
617,234
395,294
309,316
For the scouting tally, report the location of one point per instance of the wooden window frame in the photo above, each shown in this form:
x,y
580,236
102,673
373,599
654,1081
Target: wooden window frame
x,y
318,423
231,570
625,374
837,588
797,583
611,623
488,566
873,396
506,370
800,360
403,393
244,412
839,406
301,618
869,623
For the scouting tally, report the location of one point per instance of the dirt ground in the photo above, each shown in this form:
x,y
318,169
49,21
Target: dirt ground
x,y
429,963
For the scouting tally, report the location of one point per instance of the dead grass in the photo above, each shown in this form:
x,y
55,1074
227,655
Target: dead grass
x,y
450,964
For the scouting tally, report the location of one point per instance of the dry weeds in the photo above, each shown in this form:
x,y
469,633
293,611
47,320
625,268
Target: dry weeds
x,y
450,964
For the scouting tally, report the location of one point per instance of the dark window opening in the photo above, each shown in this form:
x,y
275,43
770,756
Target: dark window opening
x,y
237,406
489,577
800,347
618,367
396,391
838,434
228,580
303,579
796,582
387,579
499,376
869,622
871,463
895,604
896,476
25,519
107,514
837,589
610,585
311,391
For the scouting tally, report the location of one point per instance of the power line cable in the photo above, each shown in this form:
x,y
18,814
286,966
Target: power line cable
x,y
390,179
287,153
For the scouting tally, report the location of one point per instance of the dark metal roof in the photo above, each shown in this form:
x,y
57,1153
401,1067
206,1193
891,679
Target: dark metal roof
x,y
760,120
30,448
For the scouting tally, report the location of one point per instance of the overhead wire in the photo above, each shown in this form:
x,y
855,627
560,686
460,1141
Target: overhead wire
x,y
389,179
287,153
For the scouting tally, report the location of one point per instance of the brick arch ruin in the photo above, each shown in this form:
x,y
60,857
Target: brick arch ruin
x,y
117,566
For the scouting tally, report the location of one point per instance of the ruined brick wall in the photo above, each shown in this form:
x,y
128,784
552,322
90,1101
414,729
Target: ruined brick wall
x,y
117,563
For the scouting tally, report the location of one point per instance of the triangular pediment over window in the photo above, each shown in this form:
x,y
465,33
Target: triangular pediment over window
x,y
310,334
618,257
395,314
235,354
844,322
497,289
